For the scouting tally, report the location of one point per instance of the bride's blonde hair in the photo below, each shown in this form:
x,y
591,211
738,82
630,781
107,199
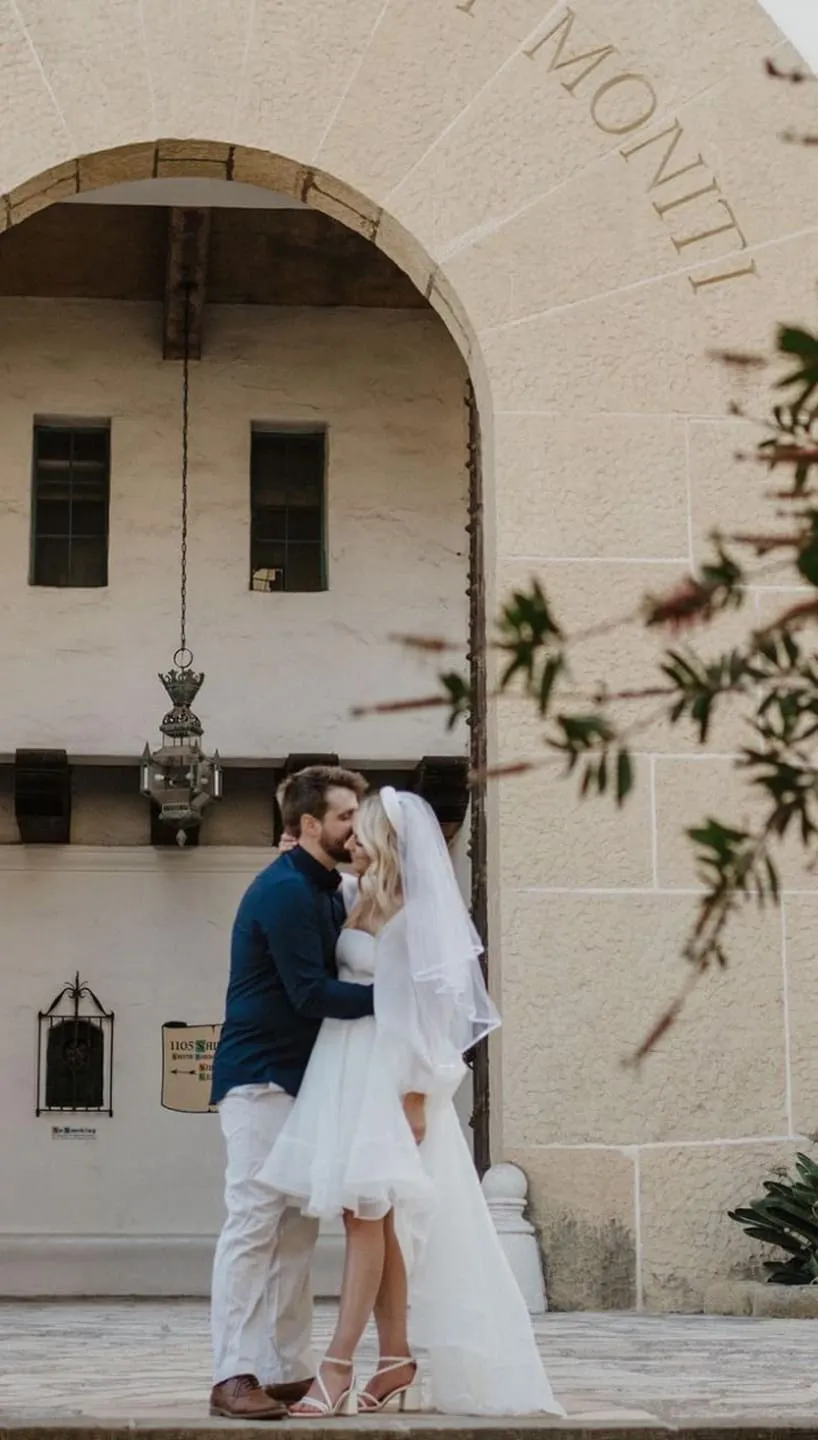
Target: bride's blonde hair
x,y
381,893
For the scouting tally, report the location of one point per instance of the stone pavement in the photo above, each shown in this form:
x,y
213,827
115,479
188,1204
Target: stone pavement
x,y
114,1365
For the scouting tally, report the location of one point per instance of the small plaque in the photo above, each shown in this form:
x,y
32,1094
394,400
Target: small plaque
x,y
73,1132
187,1066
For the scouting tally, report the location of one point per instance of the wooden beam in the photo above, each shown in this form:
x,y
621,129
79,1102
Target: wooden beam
x,y
443,782
42,796
186,275
256,257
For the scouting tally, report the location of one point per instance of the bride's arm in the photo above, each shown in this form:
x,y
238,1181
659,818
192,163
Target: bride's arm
x,y
413,1021
414,1108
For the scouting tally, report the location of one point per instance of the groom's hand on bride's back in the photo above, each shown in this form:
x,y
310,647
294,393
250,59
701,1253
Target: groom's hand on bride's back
x,y
414,1108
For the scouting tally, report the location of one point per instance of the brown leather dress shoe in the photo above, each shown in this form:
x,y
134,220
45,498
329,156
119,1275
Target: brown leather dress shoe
x,y
290,1392
242,1398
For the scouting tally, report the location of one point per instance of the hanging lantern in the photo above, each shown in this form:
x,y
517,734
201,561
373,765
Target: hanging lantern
x,y
178,777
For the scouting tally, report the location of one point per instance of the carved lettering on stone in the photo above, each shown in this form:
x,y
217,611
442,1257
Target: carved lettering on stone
x,y
661,175
732,225
565,25
637,97
662,210
618,126
723,277
670,138
625,103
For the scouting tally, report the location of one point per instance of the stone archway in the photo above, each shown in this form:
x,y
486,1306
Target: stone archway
x,y
219,160
583,194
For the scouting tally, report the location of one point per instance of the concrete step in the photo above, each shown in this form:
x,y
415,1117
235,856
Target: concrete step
x,y
447,1427
102,1370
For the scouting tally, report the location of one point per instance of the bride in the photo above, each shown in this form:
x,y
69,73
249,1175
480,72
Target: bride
x,y
374,1136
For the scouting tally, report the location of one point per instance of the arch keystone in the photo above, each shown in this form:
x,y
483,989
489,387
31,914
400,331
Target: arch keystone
x,y
204,158
177,150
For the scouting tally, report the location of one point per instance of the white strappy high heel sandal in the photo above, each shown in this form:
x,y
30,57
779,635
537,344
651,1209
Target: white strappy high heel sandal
x,y
323,1407
404,1397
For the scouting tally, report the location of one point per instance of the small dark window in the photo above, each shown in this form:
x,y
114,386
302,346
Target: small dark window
x,y
75,1052
287,510
75,1066
71,489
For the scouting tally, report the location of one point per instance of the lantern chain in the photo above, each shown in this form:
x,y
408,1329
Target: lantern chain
x,y
185,422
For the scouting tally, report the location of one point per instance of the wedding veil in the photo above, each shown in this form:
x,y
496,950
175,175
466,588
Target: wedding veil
x,y
447,1003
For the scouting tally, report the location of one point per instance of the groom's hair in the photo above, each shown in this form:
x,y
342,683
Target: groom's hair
x,y
306,792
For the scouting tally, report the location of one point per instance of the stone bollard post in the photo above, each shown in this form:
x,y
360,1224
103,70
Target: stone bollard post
x,y
506,1190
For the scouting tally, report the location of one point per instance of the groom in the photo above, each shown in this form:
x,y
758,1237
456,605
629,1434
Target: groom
x,y
282,984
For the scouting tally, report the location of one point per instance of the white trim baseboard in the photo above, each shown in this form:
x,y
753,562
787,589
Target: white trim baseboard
x,y
133,1266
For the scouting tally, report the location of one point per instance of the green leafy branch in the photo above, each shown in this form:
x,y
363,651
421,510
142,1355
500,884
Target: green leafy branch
x,y
592,728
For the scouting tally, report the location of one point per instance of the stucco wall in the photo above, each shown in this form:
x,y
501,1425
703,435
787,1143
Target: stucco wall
x,y
283,670
114,916
134,1204
136,1207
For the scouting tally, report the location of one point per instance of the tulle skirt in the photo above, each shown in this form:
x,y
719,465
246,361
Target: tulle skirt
x,y
347,1145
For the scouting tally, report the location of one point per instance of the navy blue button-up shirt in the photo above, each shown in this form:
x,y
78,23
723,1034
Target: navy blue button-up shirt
x,y
283,977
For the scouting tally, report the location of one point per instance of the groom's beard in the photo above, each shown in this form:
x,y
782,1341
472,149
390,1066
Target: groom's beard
x,y
336,849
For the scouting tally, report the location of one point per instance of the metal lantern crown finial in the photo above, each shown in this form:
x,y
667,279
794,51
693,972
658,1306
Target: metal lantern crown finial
x,y
178,777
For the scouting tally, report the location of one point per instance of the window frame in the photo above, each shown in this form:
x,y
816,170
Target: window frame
x,y
73,426
317,432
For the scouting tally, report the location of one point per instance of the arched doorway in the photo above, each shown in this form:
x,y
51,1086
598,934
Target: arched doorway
x,y
334,500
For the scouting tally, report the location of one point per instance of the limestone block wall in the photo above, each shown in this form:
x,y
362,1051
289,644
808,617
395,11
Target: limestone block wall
x,y
594,198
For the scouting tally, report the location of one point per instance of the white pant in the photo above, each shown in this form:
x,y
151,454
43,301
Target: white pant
x,y
261,1303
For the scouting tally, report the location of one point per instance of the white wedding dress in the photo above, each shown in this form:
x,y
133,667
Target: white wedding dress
x,y
347,1145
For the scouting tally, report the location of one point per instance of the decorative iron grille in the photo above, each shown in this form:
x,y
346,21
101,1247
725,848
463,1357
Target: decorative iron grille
x,y
75,1052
